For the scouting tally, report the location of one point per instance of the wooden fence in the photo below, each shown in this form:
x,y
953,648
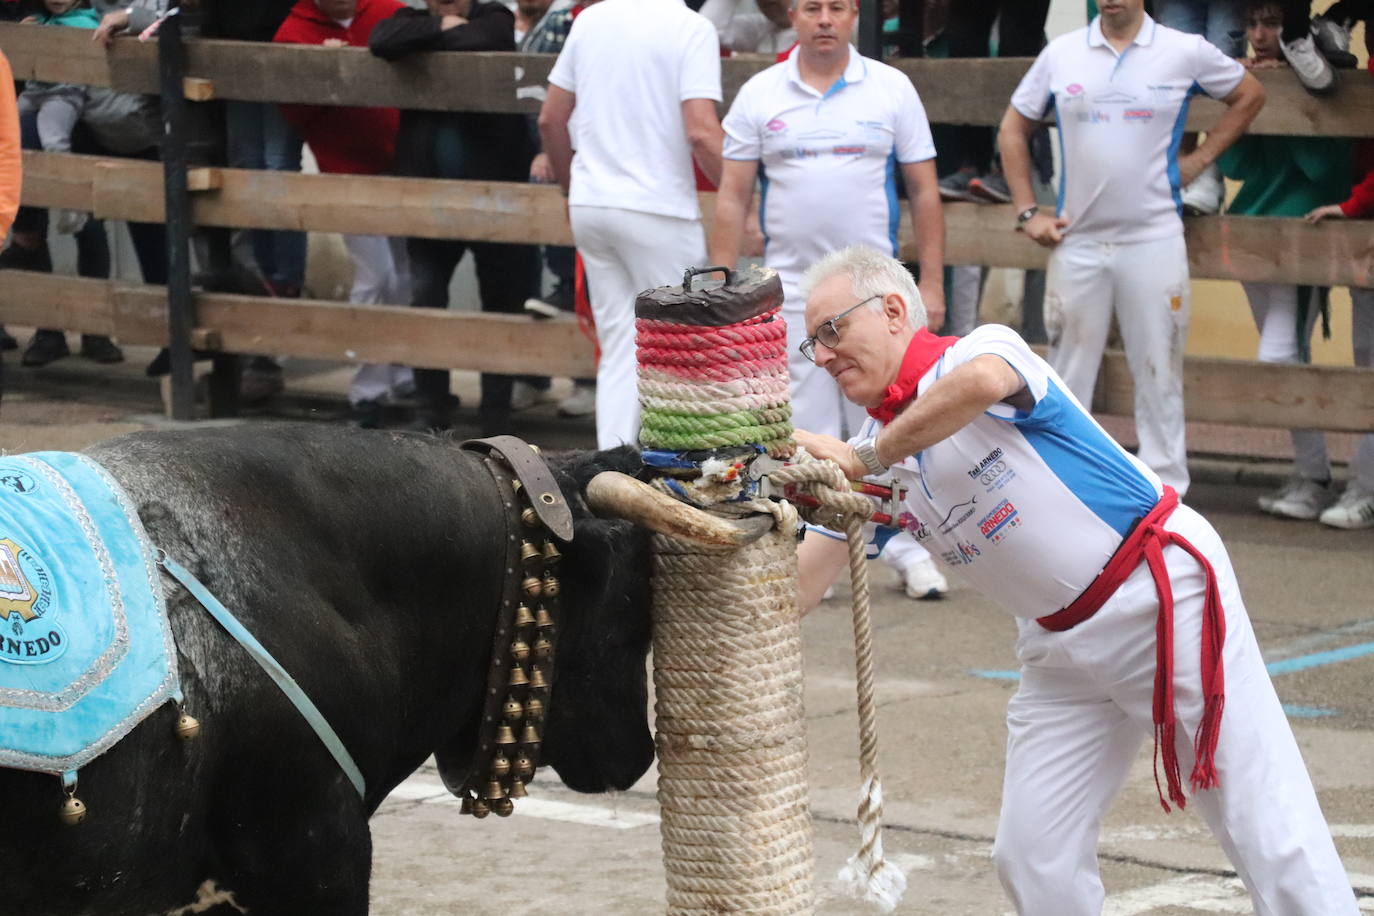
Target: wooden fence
x,y
954,91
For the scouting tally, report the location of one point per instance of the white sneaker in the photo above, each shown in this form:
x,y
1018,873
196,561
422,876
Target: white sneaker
x,y
1309,65
1333,40
523,396
924,581
1298,498
581,403
1355,509
1203,196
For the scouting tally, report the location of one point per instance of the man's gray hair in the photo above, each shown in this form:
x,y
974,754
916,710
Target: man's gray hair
x,y
871,273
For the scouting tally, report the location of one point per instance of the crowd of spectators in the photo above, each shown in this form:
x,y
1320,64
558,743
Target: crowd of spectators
x,y
631,129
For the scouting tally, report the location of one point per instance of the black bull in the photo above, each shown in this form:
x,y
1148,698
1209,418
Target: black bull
x,y
370,566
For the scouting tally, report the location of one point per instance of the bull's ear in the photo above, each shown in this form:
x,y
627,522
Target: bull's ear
x,y
616,495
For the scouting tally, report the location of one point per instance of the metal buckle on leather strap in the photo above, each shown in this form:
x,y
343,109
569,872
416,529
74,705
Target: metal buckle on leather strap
x,y
545,496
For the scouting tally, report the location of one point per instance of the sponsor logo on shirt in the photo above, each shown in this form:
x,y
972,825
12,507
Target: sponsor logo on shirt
x,y
1138,114
913,525
1000,522
997,476
849,150
776,125
1093,116
1164,92
963,554
1074,89
1113,98
953,521
988,459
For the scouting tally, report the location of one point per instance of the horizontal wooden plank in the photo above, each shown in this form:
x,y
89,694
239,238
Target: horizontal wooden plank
x,y
968,91
309,328
1335,253
1217,390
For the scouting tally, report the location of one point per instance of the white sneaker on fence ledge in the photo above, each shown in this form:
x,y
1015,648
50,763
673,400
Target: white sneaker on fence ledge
x,y
1312,69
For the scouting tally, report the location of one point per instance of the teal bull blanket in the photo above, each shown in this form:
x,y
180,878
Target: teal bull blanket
x,y
86,652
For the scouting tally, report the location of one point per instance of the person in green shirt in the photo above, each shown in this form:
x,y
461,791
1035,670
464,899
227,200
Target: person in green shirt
x,y
1287,176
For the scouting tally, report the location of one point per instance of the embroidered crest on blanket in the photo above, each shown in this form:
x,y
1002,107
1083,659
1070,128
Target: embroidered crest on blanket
x,y
86,652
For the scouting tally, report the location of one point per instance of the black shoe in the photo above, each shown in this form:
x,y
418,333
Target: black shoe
x,y
99,348
7,341
17,257
45,347
261,380
367,415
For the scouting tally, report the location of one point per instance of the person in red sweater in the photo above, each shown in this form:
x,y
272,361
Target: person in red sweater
x,y
1355,507
355,141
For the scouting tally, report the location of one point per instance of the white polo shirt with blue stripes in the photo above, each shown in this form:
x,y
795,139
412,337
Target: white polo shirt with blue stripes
x,y
827,161
1121,119
1029,506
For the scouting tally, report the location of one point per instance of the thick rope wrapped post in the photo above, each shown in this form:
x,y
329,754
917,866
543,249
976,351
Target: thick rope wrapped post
x,y
730,728
867,875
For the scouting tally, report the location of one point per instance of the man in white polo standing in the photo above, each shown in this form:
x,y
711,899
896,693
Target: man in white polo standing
x,y
1119,91
829,130
634,92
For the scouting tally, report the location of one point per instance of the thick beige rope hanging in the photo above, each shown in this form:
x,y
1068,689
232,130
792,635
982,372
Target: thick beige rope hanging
x,y
867,874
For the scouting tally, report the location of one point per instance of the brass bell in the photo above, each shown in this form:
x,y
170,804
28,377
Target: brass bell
x,y
529,517
543,620
480,809
551,586
530,738
517,676
466,806
517,789
73,810
503,807
188,726
528,552
534,709
551,554
500,766
512,709
532,586
537,680
524,767
520,650
543,649
523,617
494,790
515,484
504,735
534,448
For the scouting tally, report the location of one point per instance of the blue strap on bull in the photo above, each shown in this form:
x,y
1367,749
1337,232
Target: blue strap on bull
x,y
269,664
85,649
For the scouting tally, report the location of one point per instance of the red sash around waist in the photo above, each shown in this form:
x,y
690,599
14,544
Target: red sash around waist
x,y
1146,543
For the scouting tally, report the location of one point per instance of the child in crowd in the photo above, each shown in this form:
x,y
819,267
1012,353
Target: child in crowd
x,y
1287,176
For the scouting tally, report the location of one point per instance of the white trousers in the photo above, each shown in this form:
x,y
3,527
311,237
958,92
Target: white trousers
x,y
1362,335
381,276
1284,326
1083,710
1146,285
624,253
818,406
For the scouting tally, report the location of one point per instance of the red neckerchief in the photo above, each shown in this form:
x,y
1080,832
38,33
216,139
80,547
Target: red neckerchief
x,y
925,348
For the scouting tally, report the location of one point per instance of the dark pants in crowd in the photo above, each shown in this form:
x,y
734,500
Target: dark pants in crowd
x,y
1020,33
507,275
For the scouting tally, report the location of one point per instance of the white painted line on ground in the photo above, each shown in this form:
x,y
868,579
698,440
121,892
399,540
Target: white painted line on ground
x,y
1196,892
1353,831
429,791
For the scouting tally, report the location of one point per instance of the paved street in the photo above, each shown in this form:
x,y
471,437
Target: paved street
x,y
945,670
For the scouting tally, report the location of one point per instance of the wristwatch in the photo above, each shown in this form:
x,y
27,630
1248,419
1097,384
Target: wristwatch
x,y
1025,216
868,454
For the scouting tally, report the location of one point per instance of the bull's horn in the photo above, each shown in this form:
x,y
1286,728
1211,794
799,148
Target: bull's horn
x,y
618,495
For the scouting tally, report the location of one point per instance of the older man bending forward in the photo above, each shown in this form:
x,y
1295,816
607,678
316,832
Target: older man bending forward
x,y
1130,619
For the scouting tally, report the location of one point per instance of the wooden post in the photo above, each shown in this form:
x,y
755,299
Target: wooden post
x,y
871,28
180,318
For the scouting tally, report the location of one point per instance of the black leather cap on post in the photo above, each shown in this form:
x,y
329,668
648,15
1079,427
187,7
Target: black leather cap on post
x,y
744,294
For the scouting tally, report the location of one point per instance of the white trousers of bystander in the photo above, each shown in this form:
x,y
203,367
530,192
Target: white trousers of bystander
x,y
1146,285
624,253
381,276
1083,710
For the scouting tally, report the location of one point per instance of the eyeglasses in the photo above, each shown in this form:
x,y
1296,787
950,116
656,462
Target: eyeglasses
x,y
827,333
